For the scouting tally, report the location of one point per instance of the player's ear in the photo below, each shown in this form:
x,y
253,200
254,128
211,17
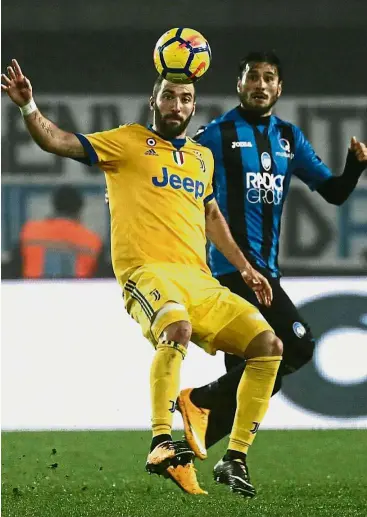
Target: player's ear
x,y
194,109
239,85
280,88
151,103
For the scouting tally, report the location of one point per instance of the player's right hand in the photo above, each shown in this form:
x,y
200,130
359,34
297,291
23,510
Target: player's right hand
x,y
16,85
359,149
259,284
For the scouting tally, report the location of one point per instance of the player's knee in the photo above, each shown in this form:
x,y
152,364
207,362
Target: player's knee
x,y
275,346
264,344
298,352
180,331
308,349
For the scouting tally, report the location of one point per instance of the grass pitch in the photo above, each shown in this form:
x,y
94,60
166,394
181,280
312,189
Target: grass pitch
x,y
101,474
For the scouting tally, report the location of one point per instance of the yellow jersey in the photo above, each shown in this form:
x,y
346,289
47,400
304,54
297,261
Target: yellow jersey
x,y
157,192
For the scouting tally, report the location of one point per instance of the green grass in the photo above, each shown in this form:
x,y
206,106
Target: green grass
x,y
101,474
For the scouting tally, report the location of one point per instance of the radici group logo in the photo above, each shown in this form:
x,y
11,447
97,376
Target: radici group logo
x,y
264,187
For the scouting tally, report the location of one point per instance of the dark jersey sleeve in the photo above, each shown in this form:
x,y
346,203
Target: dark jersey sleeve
x,y
312,171
337,189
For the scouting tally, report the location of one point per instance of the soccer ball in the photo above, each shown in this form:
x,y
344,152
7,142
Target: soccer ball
x,y
182,55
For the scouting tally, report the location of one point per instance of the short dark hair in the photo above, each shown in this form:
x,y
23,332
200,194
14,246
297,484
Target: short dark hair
x,y
262,56
67,200
157,85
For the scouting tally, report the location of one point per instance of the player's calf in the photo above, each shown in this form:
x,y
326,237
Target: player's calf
x,y
164,386
254,391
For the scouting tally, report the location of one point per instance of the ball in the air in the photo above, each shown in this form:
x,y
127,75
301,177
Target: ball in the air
x,y
182,55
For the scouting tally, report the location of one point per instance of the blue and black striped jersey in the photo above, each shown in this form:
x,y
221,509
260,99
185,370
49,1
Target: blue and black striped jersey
x,y
254,163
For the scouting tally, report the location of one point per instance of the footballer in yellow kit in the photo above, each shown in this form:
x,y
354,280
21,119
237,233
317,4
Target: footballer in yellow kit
x,y
157,192
162,206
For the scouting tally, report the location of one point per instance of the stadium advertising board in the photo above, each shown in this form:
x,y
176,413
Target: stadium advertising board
x,y
73,359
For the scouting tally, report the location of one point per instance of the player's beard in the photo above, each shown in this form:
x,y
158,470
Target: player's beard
x,y
167,129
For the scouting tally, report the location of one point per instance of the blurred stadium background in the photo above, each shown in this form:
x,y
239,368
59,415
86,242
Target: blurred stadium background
x,y
68,347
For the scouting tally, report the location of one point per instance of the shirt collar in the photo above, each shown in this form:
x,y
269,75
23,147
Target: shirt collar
x,y
176,142
253,118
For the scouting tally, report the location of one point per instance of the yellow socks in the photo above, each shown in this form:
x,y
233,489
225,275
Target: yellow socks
x,y
253,395
165,384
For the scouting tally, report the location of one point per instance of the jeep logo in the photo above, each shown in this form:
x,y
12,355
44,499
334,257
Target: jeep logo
x,y
176,182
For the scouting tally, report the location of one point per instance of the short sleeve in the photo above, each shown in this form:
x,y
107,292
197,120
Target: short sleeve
x,y
105,148
306,165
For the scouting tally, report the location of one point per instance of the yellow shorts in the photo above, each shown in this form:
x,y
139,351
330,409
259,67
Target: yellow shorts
x,y
198,298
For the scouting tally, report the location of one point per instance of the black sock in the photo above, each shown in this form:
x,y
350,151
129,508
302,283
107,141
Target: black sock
x,y
159,439
232,361
220,392
220,423
234,455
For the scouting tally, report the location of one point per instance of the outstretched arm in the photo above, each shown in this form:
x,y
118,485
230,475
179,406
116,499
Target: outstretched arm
x,y
337,189
44,132
219,234
312,171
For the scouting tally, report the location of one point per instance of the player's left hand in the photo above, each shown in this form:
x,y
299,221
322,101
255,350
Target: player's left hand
x,y
359,149
259,284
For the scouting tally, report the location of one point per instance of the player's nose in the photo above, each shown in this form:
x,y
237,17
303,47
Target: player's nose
x,y
261,83
176,108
